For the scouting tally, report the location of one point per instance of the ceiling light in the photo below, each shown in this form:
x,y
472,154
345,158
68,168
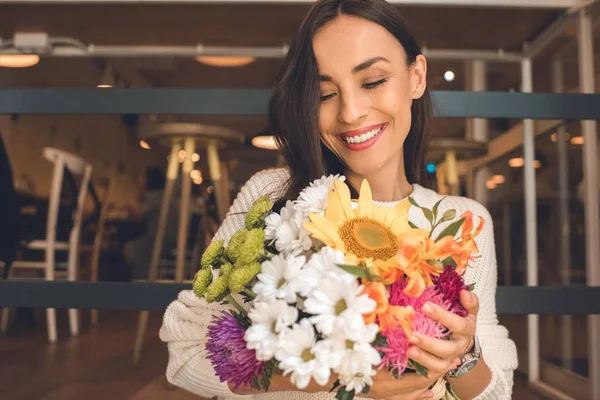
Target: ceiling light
x,y
195,157
498,179
265,142
18,60
107,80
225,61
449,76
516,162
577,140
519,162
144,145
491,184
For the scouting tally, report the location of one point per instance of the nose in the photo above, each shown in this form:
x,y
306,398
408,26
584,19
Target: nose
x,y
353,108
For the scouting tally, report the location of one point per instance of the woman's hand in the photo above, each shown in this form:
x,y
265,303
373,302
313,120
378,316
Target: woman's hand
x,y
442,355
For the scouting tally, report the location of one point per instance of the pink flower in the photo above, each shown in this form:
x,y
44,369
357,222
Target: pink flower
x,y
449,284
394,355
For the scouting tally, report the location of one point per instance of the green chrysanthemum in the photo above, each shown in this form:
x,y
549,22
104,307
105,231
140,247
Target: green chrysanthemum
x,y
226,269
258,212
233,248
242,275
212,253
219,285
202,279
252,248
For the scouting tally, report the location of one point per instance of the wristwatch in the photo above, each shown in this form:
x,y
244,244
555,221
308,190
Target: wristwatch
x,y
468,360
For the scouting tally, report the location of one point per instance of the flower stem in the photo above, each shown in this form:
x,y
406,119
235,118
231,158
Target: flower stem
x,y
250,293
234,303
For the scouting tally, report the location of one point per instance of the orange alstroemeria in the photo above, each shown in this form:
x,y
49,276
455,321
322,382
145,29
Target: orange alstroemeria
x,y
466,248
386,315
413,258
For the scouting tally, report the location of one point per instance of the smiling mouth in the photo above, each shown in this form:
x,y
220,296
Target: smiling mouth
x,y
364,137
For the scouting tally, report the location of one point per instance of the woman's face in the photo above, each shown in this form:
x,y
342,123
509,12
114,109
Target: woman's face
x,y
367,90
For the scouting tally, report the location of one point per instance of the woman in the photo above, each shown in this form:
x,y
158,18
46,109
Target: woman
x,y
351,98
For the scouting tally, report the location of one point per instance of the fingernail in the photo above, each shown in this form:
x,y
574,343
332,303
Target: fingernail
x,y
413,352
427,308
413,339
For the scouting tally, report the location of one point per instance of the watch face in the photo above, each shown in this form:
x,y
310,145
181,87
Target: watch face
x,y
466,367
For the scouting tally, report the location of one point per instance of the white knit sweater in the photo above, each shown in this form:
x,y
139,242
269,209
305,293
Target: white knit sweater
x,y
186,319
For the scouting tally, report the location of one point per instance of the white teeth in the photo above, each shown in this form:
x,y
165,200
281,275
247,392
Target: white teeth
x,y
364,137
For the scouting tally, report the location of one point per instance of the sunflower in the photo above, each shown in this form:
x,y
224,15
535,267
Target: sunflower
x,y
367,234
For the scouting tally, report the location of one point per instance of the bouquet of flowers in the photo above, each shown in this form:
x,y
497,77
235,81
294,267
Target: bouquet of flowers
x,y
332,287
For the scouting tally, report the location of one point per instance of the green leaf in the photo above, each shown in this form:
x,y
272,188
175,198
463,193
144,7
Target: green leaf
x,y
428,214
380,341
412,225
413,202
449,261
360,272
255,382
451,229
436,206
267,375
448,215
336,384
395,373
366,389
418,368
471,286
343,394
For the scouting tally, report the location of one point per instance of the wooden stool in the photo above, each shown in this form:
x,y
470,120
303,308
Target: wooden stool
x,y
190,136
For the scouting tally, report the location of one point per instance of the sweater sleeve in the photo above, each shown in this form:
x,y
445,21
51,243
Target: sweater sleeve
x,y
186,320
499,351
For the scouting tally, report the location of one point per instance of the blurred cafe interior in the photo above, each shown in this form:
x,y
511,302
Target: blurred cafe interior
x,y
101,178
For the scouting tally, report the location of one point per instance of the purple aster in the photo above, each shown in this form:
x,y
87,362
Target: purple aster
x,y
227,351
449,284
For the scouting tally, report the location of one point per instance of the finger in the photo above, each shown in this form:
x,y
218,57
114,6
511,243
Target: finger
x,y
470,302
455,323
435,366
425,396
442,348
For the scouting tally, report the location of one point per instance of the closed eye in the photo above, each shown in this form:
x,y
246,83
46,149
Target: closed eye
x,y
327,97
373,85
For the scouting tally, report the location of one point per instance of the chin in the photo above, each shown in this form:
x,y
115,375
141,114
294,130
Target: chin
x,y
366,167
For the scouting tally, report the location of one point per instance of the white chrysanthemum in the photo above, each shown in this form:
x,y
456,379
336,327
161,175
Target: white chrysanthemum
x,y
274,220
276,278
302,356
272,223
313,198
353,357
269,318
333,299
292,237
318,267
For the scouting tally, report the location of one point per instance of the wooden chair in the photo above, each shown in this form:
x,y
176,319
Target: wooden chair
x,y
98,239
64,164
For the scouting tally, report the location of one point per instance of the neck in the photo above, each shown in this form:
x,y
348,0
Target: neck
x,y
388,184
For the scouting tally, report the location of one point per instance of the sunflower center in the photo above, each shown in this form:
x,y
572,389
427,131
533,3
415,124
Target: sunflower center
x,y
368,238
307,355
340,307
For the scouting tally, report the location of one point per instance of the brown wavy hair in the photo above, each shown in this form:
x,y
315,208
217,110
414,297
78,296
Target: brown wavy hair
x,y
295,102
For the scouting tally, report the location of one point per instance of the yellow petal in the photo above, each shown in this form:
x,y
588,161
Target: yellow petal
x,y
321,226
379,213
344,197
335,211
365,200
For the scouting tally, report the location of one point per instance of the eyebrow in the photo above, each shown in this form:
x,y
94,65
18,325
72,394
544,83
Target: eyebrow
x,y
360,67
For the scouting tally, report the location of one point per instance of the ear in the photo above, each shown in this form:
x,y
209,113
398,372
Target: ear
x,y
418,77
